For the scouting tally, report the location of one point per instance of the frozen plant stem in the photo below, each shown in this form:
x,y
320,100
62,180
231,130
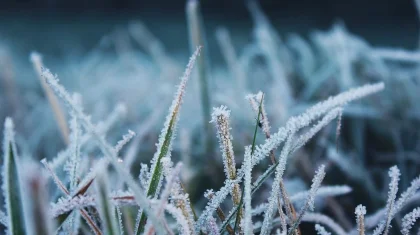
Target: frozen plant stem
x,y
221,215
360,219
166,137
36,60
238,208
248,230
220,116
12,190
310,201
265,127
197,38
63,188
409,220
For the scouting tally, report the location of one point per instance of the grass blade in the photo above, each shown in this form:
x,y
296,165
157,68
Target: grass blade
x,y
59,115
165,140
197,38
106,210
11,186
252,152
38,220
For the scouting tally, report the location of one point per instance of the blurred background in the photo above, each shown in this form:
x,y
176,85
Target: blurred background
x,y
388,22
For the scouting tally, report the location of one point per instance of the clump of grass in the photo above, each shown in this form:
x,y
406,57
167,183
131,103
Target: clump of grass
x,y
110,207
81,200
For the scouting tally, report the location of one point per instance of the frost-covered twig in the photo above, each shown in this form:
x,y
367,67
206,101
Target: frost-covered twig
x,y
383,226
220,117
36,60
247,226
214,203
360,219
55,178
126,138
303,139
275,190
310,201
409,220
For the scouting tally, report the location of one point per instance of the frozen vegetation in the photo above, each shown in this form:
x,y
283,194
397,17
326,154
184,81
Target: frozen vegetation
x,y
308,135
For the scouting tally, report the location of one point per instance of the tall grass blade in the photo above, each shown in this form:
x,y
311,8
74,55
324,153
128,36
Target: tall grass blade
x,y
252,152
106,209
37,218
36,60
198,38
11,182
166,137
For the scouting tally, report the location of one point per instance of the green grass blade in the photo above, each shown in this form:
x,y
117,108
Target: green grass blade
x,y
254,189
252,152
166,138
11,186
197,38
